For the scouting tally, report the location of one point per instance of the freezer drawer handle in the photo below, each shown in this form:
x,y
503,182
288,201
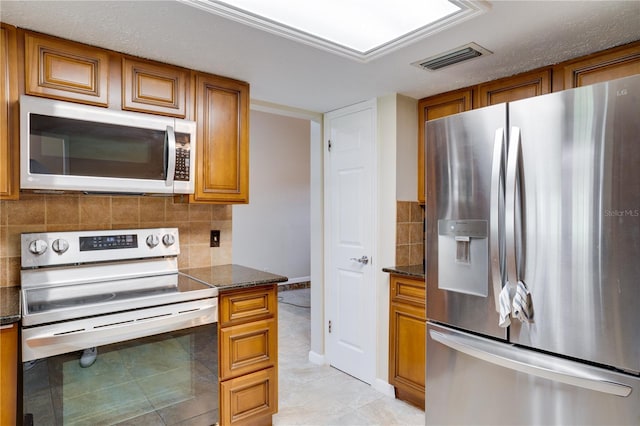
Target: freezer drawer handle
x,y
592,382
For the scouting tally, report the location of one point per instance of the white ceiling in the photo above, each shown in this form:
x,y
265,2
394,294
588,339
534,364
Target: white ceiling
x,y
522,34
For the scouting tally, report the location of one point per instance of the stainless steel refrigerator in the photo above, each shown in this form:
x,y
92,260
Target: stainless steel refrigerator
x,y
533,261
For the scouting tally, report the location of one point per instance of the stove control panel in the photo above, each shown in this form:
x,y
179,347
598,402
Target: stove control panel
x,y
61,248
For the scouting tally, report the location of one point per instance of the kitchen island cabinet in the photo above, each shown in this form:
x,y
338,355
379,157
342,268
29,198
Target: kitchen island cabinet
x,y
407,322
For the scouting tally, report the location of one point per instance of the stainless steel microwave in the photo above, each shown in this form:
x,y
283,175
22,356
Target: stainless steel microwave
x,y
73,147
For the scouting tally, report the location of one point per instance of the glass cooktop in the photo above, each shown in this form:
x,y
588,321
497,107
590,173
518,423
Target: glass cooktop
x,y
55,303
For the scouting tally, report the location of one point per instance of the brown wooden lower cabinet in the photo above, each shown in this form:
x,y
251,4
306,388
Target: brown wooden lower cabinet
x,y
248,356
8,373
250,399
407,312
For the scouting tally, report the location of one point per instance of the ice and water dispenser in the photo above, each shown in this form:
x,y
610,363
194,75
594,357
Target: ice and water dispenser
x,y
463,256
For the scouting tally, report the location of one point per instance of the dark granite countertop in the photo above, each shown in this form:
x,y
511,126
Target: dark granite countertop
x,y
224,277
232,277
9,305
413,271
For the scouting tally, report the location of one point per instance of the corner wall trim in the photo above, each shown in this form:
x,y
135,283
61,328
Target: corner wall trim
x,y
316,358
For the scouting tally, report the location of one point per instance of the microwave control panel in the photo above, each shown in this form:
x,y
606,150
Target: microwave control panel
x,y
183,153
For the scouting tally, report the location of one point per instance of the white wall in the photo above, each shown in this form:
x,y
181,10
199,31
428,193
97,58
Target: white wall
x,y
272,232
407,148
387,130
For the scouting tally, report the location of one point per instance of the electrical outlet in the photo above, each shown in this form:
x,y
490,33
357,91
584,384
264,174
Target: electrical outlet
x,y
214,241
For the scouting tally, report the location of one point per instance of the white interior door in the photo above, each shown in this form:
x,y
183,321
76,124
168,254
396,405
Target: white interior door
x,y
350,195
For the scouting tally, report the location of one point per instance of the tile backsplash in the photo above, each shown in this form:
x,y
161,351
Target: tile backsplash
x,y
409,233
38,213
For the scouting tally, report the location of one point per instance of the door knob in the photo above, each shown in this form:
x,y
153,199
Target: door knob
x,y
364,260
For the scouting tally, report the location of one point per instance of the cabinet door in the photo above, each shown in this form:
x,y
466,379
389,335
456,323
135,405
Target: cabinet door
x,y
600,67
437,107
515,88
407,338
8,373
407,352
222,159
248,347
66,70
154,88
250,399
9,120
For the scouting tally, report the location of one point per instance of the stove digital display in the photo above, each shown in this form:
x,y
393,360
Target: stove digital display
x,y
108,242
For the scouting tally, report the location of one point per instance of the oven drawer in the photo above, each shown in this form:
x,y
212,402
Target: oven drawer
x,y
250,399
247,347
247,305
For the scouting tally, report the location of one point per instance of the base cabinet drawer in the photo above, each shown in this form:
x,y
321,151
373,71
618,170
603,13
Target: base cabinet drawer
x,y
248,347
248,355
250,399
247,305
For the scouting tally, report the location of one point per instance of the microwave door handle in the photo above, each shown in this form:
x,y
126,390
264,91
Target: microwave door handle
x,y
170,143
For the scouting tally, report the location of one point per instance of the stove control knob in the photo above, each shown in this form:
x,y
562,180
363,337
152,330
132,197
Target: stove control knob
x,y
60,246
152,240
168,240
38,247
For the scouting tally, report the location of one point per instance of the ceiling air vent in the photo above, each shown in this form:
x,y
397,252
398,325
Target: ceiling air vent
x,y
455,56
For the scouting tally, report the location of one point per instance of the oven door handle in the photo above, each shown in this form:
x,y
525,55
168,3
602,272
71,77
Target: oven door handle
x,y
97,335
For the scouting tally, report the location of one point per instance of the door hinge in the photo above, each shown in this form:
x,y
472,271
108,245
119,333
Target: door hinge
x,y
329,326
329,145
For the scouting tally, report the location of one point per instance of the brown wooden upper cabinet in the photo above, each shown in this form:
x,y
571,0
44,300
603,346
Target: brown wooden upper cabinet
x,y
514,88
437,107
222,151
66,70
9,120
154,88
609,65
603,66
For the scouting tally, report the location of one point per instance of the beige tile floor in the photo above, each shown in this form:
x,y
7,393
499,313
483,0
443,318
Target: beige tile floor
x,y
311,394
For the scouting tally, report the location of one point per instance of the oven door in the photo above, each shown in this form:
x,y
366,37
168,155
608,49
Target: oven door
x,y
166,378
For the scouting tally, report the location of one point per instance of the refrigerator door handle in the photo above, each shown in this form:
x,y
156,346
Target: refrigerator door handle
x,y
510,205
530,363
496,213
